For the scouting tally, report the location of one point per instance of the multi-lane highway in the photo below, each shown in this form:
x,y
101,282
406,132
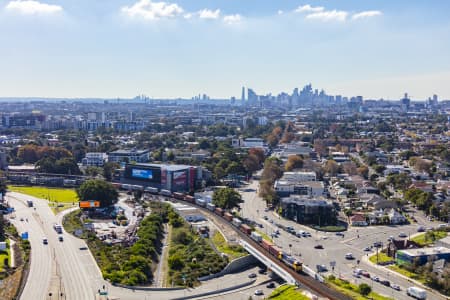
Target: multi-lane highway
x,y
335,247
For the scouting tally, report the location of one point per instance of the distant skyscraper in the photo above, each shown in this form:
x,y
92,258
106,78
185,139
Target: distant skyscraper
x,y
252,98
243,95
405,101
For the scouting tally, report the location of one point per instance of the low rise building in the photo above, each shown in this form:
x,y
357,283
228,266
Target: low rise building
x,y
133,155
94,159
422,255
309,211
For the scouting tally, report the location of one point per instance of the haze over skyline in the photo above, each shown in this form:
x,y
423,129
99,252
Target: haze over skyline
x,y
122,48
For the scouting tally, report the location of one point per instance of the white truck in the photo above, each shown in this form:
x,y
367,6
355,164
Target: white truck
x,y
416,292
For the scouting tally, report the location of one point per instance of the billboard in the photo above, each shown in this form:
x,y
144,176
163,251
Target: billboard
x,y
149,173
89,204
142,173
179,178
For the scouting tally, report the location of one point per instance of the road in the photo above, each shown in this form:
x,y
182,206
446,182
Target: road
x,y
335,247
59,267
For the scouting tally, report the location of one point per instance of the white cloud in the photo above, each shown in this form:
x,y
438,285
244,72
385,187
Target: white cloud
x,y
308,9
280,12
187,16
232,19
366,14
149,10
31,7
209,14
329,15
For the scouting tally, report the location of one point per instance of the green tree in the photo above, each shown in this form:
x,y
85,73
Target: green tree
x,y
364,289
108,170
98,190
226,198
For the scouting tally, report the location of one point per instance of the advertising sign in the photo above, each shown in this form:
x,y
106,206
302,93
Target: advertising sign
x,y
179,178
89,204
142,173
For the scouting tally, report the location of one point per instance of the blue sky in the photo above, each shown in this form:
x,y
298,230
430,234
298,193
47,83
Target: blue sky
x,y
122,48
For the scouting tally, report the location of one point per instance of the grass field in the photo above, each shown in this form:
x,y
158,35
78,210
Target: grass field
x,y
51,194
5,254
407,273
351,290
287,292
382,257
233,252
422,240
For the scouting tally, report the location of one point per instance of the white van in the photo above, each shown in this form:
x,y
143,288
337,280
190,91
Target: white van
x,y
416,292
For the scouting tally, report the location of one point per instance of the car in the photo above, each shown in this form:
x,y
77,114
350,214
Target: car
x,y
420,229
375,278
365,274
259,292
271,221
318,247
396,287
252,275
402,235
339,234
377,244
270,285
349,256
45,241
83,248
385,282
307,234
277,231
266,209
355,274
262,271
21,219
321,268
60,238
367,249
266,218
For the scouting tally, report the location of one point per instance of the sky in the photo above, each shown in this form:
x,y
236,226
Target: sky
x,y
181,48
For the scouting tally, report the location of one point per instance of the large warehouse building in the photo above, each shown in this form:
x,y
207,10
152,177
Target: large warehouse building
x,y
175,178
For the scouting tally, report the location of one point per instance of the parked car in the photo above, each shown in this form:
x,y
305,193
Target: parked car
x,y
318,247
45,241
339,234
252,275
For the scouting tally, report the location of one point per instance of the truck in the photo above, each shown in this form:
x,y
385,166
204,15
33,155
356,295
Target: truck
x,y
416,292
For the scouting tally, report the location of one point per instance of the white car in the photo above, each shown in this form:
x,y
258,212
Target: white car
x,y
395,287
259,292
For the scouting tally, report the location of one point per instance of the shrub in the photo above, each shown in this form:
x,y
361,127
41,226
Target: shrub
x,y
364,289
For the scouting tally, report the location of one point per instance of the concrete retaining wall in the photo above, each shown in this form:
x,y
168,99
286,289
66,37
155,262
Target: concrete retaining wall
x,y
231,288
233,267
143,288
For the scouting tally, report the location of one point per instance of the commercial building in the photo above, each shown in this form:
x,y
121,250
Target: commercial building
x,y
422,255
94,159
285,188
175,178
133,155
309,211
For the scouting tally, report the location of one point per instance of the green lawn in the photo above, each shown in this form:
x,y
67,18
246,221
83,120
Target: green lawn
x,y
422,240
51,194
233,252
351,290
287,292
407,273
382,257
5,254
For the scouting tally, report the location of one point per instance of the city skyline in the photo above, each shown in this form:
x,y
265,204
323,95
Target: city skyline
x,y
69,49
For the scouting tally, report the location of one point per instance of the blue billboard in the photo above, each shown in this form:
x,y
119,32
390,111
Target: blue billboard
x,y
142,173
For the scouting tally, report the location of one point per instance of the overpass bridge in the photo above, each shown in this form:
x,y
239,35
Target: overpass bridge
x,y
269,263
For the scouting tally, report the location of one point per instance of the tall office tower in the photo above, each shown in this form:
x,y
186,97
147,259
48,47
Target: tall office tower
x,y
252,98
243,95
